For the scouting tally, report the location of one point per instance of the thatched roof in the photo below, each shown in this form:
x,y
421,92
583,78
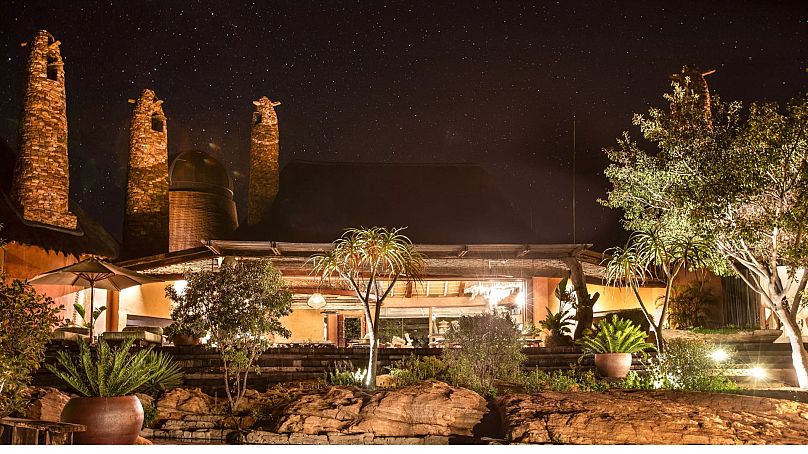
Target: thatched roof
x,y
88,238
438,203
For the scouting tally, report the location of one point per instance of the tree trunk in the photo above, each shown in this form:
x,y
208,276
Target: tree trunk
x,y
799,356
584,309
373,361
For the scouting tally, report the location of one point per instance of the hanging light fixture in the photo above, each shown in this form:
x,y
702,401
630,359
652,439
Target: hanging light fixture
x,y
316,301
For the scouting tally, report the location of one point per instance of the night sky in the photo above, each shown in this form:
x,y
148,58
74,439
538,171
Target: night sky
x,y
497,84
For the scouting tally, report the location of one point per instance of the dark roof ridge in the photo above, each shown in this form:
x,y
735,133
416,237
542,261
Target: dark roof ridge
x,y
386,163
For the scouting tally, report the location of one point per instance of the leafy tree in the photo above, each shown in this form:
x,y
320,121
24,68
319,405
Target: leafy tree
x,y
26,322
736,180
240,306
372,260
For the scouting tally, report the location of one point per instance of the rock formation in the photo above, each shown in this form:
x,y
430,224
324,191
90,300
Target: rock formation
x,y
652,417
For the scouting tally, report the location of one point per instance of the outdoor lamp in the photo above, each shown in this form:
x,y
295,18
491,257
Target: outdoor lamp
x,y
316,301
719,354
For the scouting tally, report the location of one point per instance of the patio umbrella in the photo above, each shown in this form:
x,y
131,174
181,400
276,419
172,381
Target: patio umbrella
x,y
93,273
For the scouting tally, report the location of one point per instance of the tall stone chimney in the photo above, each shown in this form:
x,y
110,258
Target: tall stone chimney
x,y
41,185
263,160
145,228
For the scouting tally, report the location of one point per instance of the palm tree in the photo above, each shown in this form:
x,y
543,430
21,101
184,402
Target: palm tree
x,y
372,261
655,253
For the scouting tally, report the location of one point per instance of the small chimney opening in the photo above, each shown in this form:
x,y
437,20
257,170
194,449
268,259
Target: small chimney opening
x,y
53,68
156,123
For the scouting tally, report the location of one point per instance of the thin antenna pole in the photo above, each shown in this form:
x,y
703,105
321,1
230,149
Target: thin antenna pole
x,y
573,180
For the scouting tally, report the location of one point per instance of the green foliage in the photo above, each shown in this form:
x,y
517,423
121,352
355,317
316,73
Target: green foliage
x,y
615,335
562,381
413,370
371,260
185,326
105,371
346,377
734,180
557,324
150,416
688,365
239,306
691,306
26,321
723,330
167,374
489,350
83,312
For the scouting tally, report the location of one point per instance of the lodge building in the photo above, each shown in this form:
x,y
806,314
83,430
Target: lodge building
x,y
181,216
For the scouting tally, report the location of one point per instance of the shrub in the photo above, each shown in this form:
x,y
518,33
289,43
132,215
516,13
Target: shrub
x,y
687,364
26,321
149,416
488,350
346,377
413,370
562,381
239,306
615,335
691,306
105,371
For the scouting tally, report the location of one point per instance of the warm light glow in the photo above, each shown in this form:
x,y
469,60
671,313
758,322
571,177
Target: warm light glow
x,y
719,354
316,301
757,372
179,286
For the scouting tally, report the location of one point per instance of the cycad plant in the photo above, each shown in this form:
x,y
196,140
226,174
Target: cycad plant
x,y
109,372
167,374
615,336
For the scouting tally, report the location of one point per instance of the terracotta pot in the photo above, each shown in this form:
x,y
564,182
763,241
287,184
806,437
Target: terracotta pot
x,y
613,365
109,420
185,340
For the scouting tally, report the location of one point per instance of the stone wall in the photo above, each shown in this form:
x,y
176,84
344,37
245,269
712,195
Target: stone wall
x,y
202,366
264,172
40,187
145,229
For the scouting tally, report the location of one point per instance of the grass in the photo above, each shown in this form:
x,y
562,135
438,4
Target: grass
x,y
725,330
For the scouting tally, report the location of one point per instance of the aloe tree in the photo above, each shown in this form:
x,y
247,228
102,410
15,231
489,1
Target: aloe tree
x,y
372,261
659,253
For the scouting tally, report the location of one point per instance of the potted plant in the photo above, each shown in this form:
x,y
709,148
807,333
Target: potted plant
x,y
613,342
107,378
184,334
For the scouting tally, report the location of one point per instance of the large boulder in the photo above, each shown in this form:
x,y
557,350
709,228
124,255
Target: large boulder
x,y
333,410
429,408
181,401
46,404
652,417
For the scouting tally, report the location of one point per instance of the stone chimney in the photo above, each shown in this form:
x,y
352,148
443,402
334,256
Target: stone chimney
x,y
264,171
41,184
693,78
145,228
